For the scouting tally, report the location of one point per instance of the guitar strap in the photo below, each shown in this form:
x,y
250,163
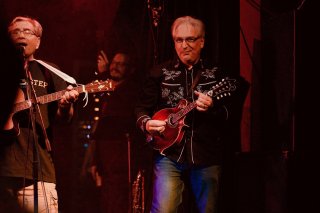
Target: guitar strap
x,y
59,73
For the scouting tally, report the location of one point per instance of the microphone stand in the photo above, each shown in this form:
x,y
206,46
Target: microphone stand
x,y
34,110
129,172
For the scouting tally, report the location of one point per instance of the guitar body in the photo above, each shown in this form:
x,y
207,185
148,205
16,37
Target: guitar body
x,y
20,98
173,132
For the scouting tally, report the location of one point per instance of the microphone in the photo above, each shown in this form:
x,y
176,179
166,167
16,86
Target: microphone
x,y
20,48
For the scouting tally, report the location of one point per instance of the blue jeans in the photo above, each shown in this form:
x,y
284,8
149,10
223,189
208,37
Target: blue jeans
x,y
168,186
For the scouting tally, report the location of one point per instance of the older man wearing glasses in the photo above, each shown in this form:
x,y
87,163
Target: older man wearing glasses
x,y
26,164
184,114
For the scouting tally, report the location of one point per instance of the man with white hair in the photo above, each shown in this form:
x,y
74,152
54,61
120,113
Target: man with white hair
x,y
185,120
24,147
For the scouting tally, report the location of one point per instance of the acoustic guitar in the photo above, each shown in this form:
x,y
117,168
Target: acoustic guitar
x,y
96,86
22,104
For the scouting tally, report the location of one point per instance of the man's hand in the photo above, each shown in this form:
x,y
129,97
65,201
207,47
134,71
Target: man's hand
x,y
95,175
69,97
65,109
19,98
155,127
204,102
102,62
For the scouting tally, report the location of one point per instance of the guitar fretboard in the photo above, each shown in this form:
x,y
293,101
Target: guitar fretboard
x,y
177,116
220,90
21,106
57,95
44,99
96,86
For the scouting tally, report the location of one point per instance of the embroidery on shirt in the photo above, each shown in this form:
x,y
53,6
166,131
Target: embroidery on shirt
x,y
165,92
209,73
170,74
175,97
172,96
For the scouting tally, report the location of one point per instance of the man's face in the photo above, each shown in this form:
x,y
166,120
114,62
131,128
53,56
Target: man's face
x,y
119,67
22,33
188,43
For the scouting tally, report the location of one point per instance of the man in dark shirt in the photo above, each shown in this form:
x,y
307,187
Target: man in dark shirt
x,y
26,136
193,108
115,133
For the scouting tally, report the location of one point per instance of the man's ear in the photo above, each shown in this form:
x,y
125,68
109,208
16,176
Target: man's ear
x,y
38,43
202,42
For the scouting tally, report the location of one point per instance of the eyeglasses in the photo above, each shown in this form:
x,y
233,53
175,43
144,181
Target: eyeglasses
x,y
25,32
188,40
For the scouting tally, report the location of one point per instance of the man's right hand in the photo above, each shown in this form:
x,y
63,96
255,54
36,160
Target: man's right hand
x,y
155,127
18,99
102,62
95,175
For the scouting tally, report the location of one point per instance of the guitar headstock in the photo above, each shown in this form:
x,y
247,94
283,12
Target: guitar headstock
x,y
223,88
100,86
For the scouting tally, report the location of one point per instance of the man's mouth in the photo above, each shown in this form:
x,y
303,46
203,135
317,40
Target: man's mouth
x,y
21,44
114,71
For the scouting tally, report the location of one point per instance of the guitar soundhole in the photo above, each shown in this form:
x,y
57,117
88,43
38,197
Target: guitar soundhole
x,y
170,121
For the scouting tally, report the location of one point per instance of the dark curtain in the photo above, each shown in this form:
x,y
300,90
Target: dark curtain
x,y
305,159
284,135
134,28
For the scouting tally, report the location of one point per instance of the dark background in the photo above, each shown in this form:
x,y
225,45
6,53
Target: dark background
x,y
278,174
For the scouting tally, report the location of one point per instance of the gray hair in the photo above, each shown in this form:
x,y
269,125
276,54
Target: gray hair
x,y
37,26
196,23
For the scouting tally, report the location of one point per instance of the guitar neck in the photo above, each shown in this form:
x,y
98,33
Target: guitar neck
x,y
44,99
220,90
21,106
181,113
57,95
96,86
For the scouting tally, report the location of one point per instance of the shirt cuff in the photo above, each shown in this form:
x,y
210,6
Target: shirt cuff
x,y
142,121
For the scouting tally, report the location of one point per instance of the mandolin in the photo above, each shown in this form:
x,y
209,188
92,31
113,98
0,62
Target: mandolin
x,y
175,117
